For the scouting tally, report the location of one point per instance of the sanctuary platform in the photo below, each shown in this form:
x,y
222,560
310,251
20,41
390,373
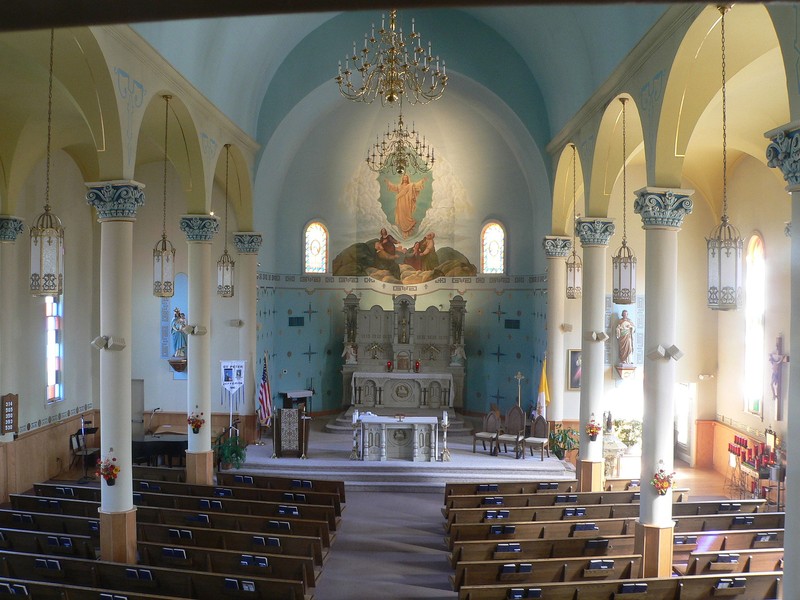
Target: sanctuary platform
x,y
329,458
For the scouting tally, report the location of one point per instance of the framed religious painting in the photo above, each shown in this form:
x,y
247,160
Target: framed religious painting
x,y
574,373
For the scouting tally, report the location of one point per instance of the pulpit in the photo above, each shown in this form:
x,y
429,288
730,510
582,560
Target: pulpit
x,y
291,433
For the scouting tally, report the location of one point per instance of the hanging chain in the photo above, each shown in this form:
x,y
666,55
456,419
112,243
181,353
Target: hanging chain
x,y
49,123
723,9
574,197
624,174
227,158
166,132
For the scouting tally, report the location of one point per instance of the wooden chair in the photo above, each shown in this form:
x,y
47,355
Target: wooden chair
x,y
539,438
513,431
488,432
80,453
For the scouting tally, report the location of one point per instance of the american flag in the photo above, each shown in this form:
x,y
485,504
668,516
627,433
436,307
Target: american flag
x,y
265,397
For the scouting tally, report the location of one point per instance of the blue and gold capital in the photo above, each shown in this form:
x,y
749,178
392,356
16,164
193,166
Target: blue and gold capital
x,y
115,200
199,228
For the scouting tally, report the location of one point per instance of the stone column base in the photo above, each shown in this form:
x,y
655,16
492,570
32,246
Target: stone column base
x,y
590,476
654,543
200,467
118,536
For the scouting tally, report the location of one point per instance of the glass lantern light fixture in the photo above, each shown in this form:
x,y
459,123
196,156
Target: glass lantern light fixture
x,y
724,244
623,263
164,251
47,232
225,265
574,262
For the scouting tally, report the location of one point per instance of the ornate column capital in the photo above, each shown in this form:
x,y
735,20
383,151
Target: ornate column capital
x,y
199,228
556,246
662,208
247,242
10,228
594,231
115,200
783,152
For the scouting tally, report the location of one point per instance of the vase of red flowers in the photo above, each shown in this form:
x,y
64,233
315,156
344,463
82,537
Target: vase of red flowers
x,y
195,421
592,429
662,480
108,469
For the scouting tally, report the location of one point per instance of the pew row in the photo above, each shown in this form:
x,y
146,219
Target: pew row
x,y
750,586
122,577
46,590
546,570
740,561
210,560
47,542
527,487
500,529
592,511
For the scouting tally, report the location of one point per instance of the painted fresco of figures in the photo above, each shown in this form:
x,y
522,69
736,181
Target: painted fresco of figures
x,y
406,193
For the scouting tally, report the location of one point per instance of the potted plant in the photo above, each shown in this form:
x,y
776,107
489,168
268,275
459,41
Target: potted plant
x,y
108,469
230,451
628,431
562,440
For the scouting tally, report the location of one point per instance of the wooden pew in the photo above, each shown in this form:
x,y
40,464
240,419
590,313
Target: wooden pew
x,y
541,548
283,483
35,521
136,578
753,521
756,586
223,539
179,517
596,511
546,570
508,487
47,542
538,529
582,499
174,516
210,503
720,541
45,590
739,561
159,473
211,560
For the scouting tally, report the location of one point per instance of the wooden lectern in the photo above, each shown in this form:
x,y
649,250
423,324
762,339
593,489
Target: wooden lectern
x,y
291,432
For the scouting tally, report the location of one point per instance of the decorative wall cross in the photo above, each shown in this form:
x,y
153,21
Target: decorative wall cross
x,y
309,353
499,313
498,354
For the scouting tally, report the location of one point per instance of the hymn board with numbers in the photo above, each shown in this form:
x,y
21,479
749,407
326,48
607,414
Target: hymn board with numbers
x,y
9,406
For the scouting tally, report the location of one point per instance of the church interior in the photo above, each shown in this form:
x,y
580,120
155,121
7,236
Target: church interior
x,y
402,263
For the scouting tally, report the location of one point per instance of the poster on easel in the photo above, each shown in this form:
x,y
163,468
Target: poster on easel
x,y
232,378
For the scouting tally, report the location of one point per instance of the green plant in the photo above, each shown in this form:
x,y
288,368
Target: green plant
x,y
629,431
562,440
231,451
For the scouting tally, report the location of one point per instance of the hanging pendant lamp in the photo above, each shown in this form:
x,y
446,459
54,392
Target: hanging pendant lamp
x,y
623,263
574,262
725,246
225,265
164,251
47,232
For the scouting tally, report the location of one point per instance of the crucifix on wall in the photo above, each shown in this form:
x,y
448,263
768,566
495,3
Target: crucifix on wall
x,y
777,359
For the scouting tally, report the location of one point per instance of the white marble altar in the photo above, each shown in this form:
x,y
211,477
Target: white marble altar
x,y
408,438
393,390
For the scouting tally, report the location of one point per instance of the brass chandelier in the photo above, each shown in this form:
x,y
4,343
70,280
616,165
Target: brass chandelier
x,y
623,263
392,66
164,251
226,264
725,246
401,151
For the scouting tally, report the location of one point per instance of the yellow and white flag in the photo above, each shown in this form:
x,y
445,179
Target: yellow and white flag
x,y
543,398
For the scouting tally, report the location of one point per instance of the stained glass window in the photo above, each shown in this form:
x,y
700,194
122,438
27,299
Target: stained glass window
x,y
755,305
316,248
493,249
55,349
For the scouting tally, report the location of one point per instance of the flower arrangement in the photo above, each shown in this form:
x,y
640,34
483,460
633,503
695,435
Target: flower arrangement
x,y
195,421
662,480
107,468
593,428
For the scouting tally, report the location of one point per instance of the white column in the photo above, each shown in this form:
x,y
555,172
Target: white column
x,y
116,203
556,249
247,245
781,154
199,230
662,213
10,228
594,235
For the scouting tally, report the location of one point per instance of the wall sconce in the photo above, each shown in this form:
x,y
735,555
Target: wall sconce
x,y
108,342
236,323
672,352
194,330
596,336
566,327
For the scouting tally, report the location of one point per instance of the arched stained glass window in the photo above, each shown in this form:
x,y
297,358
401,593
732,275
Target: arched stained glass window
x,y
55,349
315,253
493,248
755,308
